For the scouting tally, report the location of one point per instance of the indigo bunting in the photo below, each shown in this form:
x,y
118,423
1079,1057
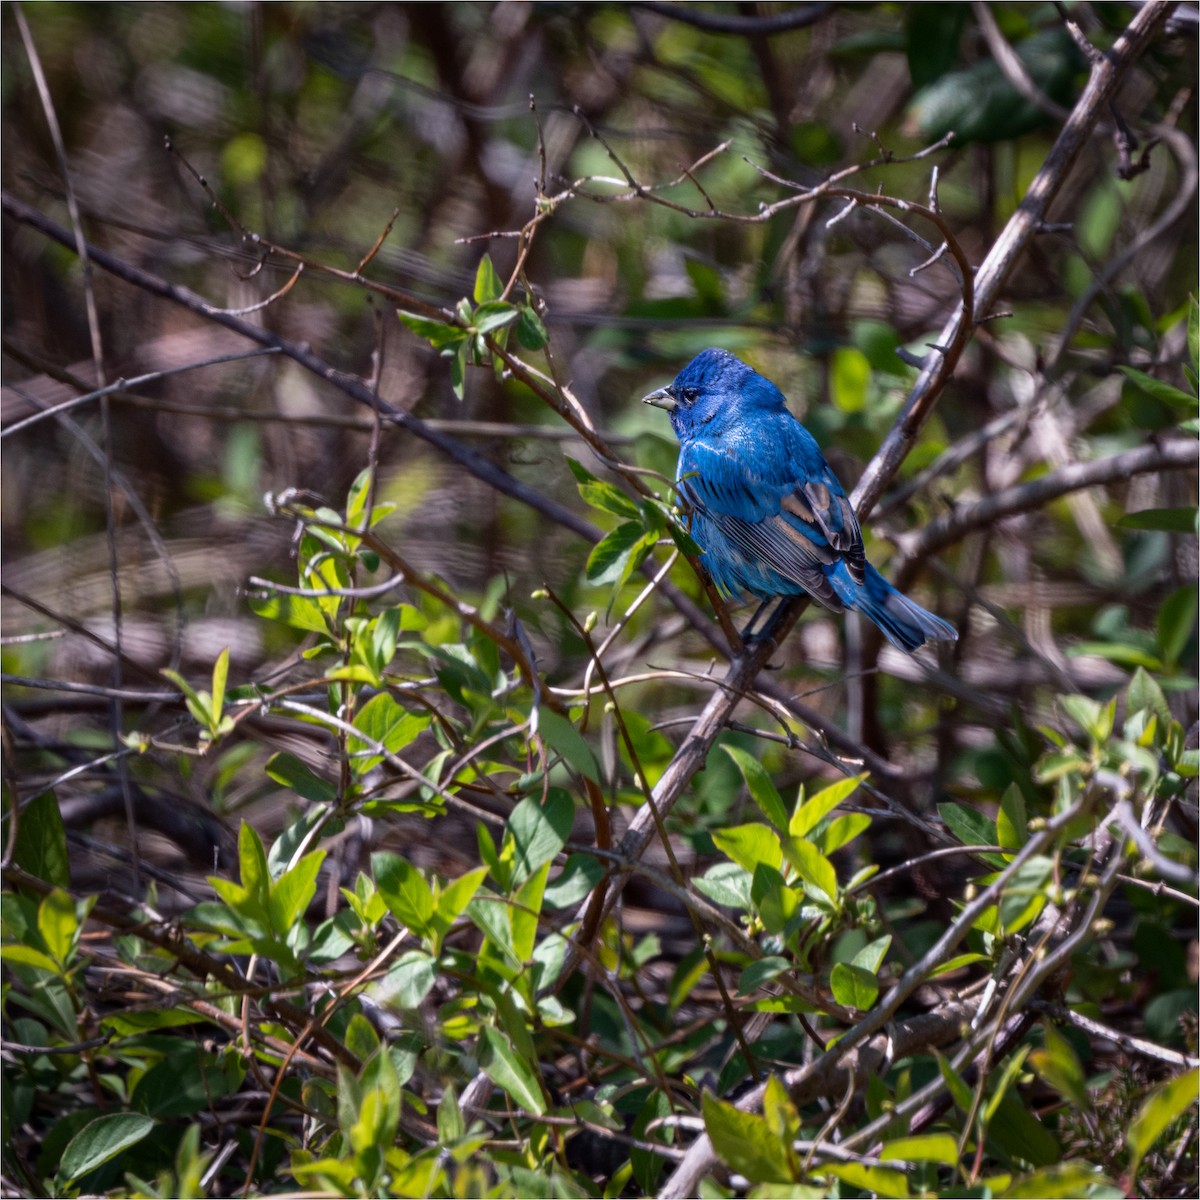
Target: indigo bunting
x,y
767,510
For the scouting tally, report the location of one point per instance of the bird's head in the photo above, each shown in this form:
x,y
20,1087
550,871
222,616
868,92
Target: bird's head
x,y
714,386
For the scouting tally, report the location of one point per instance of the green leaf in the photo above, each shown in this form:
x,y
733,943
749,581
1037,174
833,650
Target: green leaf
x,y
1177,622
1156,389
383,721
811,811
494,315
408,982
1059,1065
841,831
452,902
1193,331
220,676
1008,1076
922,1147
1144,695
1069,1179
971,827
759,973
956,1085
871,956
1012,828
820,878
749,845
100,1140
487,283
934,31
405,891
288,770
853,986
450,1123
619,553
531,333
883,1181
746,1144
1166,1102
577,878
526,908
252,862
1025,894
41,847
507,1070
563,736
849,379
1171,520
774,901
608,498
298,612
438,333
293,892
762,789
538,833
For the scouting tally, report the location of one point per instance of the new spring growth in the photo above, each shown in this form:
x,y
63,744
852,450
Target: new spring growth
x,y
590,621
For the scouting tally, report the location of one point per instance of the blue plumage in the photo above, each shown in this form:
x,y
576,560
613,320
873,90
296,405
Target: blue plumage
x,y
768,512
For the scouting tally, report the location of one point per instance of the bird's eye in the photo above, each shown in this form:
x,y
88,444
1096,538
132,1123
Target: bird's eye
x,y
690,394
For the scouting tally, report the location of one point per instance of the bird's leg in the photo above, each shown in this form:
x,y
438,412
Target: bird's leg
x,y
748,634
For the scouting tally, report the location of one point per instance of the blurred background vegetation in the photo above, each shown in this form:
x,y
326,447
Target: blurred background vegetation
x,y
317,125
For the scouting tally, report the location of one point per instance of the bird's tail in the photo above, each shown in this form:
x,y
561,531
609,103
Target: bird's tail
x,y
903,622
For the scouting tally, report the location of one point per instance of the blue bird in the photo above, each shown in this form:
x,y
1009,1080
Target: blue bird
x,y
767,511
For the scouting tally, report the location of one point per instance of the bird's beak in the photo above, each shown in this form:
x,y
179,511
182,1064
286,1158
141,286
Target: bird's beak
x,y
664,397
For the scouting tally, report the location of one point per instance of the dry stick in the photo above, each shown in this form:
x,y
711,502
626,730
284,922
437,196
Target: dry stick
x,y
990,278
478,465
1021,497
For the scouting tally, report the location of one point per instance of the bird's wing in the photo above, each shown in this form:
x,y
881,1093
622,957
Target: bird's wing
x,y
777,500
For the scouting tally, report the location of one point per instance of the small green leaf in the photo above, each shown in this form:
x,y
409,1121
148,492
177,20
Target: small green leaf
x,y
609,498
487,283
811,811
494,315
298,612
1066,1180
1165,393
1012,828
1059,1065
41,847
292,893
971,827
883,1181
774,901
749,845
849,379
746,1144
384,722
1177,623
619,553
853,986
1171,520
762,789
537,833
922,1147
405,890
563,736
100,1140
507,1070
820,878
531,333
438,334
409,981
288,770
1157,1111
759,973
871,956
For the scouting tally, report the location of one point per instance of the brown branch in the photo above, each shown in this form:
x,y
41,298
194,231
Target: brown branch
x,y
1022,497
